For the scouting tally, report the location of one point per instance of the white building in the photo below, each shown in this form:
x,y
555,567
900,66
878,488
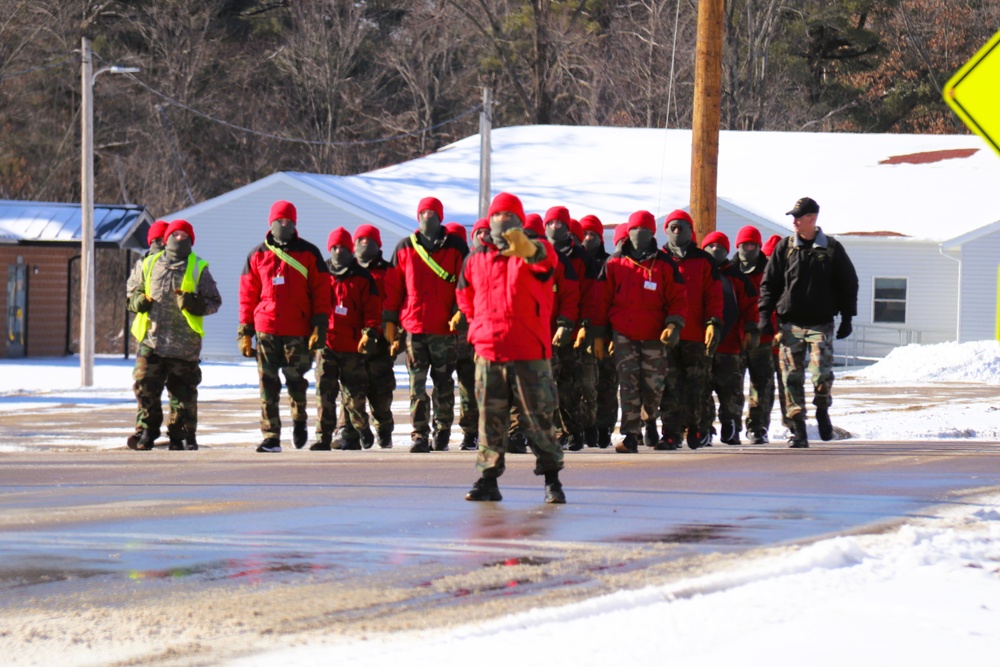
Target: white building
x,y
915,212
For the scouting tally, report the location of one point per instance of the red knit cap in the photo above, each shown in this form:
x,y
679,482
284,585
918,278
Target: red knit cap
x,y
678,215
507,202
769,246
576,229
432,204
340,236
621,231
179,225
641,219
368,232
533,223
156,231
591,223
748,234
560,213
457,229
716,237
283,209
482,223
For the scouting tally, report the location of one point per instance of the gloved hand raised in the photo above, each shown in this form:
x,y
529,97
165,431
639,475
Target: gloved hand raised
x,y
519,244
190,302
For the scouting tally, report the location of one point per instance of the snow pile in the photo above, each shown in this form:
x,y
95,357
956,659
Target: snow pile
x,y
944,362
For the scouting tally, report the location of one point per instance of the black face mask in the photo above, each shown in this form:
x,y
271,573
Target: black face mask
x,y
719,255
282,233
156,246
477,238
366,253
641,239
341,257
177,249
748,256
557,234
429,224
498,228
681,237
591,243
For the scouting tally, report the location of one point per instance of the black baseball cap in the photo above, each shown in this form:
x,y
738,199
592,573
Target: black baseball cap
x,y
804,206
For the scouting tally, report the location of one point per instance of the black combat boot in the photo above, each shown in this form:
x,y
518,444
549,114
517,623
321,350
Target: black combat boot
x,y
191,443
441,439
485,488
553,489
322,443
176,444
145,441
669,442
269,446
517,443
420,444
576,441
385,439
367,438
824,425
630,445
470,442
603,437
651,437
299,434
590,436
799,438
730,432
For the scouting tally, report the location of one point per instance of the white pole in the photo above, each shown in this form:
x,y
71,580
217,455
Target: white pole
x,y
87,216
485,125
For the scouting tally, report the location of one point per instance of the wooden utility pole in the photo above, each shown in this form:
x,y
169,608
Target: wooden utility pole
x,y
87,216
485,148
707,116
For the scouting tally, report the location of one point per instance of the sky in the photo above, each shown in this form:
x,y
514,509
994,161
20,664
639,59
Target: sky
x,y
925,593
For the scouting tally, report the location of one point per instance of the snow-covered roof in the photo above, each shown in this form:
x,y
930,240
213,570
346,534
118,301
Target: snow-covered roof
x,y
29,221
933,187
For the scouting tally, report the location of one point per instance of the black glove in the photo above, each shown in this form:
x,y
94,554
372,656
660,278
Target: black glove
x,y
140,303
845,328
191,302
764,325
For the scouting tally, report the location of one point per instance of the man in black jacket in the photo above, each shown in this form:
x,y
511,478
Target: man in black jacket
x,y
808,280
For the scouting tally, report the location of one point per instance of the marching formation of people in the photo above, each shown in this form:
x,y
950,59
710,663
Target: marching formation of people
x,y
550,336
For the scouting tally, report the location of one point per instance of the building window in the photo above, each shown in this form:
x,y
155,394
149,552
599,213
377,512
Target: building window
x,y
889,304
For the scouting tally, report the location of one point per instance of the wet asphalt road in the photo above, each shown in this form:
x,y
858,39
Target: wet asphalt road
x,y
76,519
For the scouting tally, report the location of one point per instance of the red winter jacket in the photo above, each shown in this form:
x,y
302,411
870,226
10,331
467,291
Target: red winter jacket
x,y
740,307
508,304
704,291
417,298
566,290
355,305
638,299
276,298
586,270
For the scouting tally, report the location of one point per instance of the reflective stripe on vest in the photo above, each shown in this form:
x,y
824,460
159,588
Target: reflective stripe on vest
x,y
192,275
289,260
429,261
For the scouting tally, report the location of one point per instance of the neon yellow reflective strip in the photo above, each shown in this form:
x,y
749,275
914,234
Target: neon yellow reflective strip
x,y
288,259
429,261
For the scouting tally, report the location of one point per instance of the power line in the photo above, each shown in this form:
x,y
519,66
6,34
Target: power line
x,y
39,67
311,142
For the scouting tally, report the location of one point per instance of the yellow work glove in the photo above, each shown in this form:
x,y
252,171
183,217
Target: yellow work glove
x,y
710,342
611,348
246,346
317,341
391,335
455,320
670,334
598,348
776,340
581,338
519,244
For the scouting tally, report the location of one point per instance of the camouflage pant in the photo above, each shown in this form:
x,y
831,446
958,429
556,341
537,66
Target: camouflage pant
x,y
381,385
468,409
607,393
726,380
576,379
759,362
641,366
181,378
683,401
335,372
779,384
437,354
796,343
290,355
529,386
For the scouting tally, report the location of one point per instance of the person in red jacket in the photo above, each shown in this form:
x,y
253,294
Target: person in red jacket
x,y
285,303
688,363
644,302
420,298
758,360
379,364
352,333
575,369
505,292
465,371
607,376
480,232
739,334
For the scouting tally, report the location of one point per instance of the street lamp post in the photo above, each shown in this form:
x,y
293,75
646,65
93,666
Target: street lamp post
x,y
87,281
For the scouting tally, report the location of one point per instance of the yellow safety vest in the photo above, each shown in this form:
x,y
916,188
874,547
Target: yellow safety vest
x,y
140,325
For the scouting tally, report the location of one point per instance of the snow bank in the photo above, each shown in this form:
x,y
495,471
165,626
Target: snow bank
x,y
944,362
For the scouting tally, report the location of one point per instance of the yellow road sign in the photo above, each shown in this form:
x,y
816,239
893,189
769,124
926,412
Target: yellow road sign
x,y
974,93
